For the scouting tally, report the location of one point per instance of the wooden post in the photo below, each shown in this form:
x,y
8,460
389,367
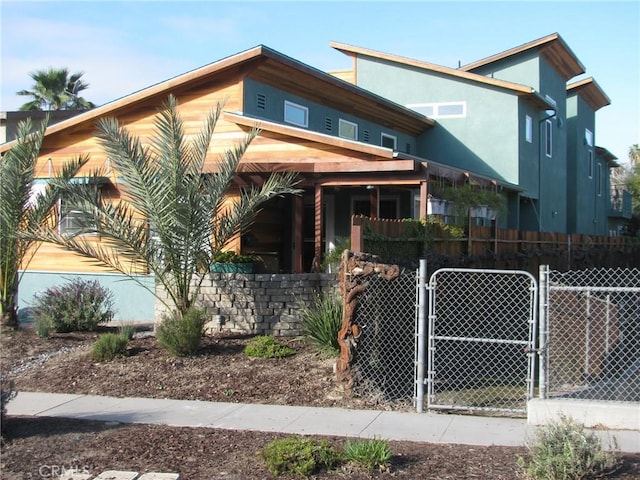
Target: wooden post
x,y
374,196
424,197
317,250
298,240
356,234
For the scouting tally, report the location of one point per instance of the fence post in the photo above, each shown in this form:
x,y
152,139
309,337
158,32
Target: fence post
x,y
421,333
357,244
543,342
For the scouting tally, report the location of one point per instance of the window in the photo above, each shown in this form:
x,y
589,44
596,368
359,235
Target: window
x,y
548,148
388,141
588,137
599,180
296,114
347,130
441,110
590,163
528,129
72,221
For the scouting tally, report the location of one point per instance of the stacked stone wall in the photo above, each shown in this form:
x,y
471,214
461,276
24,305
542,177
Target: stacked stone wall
x,y
265,304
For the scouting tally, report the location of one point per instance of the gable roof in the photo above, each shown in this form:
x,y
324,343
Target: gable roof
x,y
516,88
589,89
265,64
552,48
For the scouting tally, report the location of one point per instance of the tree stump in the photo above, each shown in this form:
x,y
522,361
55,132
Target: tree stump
x,y
355,269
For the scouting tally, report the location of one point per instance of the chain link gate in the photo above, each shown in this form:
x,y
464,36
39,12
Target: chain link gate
x,y
481,340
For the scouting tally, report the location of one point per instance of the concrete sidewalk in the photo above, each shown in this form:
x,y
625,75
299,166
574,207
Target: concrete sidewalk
x,y
419,427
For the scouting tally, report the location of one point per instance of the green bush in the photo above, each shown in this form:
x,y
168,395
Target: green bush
x,y
6,394
368,453
108,346
267,346
182,335
564,451
299,456
77,306
128,331
321,321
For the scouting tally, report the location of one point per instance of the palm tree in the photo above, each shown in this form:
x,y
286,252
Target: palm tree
x,y
175,218
23,210
55,89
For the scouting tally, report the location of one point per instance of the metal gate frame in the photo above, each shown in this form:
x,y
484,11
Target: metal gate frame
x,y
425,330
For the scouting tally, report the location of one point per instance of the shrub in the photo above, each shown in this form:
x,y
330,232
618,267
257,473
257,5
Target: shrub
x,y
108,346
128,331
267,346
564,451
6,394
322,320
298,456
79,305
182,335
43,325
368,453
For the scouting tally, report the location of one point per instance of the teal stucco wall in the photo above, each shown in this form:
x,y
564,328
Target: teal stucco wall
x,y
132,302
318,114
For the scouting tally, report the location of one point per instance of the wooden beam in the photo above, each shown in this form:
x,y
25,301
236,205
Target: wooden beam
x,y
298,240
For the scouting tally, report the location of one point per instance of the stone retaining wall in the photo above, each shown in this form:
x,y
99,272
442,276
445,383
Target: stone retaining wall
x,y
267,304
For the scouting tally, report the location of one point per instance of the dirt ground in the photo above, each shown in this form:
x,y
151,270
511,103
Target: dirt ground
x,y
220,372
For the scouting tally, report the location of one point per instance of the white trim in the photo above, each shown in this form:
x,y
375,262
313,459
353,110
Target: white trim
x,y
300,108
548,138
392,137
342,122
419,107
528,128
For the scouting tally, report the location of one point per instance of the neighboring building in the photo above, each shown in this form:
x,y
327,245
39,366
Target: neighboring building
x,y
9,120
377,148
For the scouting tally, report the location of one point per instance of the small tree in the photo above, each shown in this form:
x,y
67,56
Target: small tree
x,y
175,218
23,210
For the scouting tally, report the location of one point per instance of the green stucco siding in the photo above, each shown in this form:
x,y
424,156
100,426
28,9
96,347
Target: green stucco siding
x,y
467,142
318,115
523,69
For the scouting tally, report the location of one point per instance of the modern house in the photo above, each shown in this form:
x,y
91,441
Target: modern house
x,y
378,139
511,117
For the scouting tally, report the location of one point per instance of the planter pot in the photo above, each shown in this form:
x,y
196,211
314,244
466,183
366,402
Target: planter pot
x,y
232,267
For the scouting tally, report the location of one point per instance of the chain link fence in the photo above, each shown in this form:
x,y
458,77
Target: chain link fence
x,y
592,334
481,331
384,365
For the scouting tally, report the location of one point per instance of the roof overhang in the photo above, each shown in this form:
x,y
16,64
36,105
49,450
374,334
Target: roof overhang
x,y
609,157
552,48
591,92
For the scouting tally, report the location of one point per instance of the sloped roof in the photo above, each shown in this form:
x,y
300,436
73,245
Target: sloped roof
x,y
516,88
552,47
609,157
266,64
589,89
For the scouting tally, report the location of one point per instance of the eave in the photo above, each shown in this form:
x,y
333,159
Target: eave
x,y
609,157
591,92
552,48
515,88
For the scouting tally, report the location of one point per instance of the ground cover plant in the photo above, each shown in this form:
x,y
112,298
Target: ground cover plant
x,y
267,346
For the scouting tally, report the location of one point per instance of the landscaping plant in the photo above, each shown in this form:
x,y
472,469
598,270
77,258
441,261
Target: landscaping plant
x,y
321,321
77,306
23,209
368,453
299,456
182,335
563,450
267,346
108,346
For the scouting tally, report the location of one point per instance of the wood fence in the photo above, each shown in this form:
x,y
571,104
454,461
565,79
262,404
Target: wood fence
x,y
491,247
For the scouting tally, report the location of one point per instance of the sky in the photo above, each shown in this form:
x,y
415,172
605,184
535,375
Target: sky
x,y
125,46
